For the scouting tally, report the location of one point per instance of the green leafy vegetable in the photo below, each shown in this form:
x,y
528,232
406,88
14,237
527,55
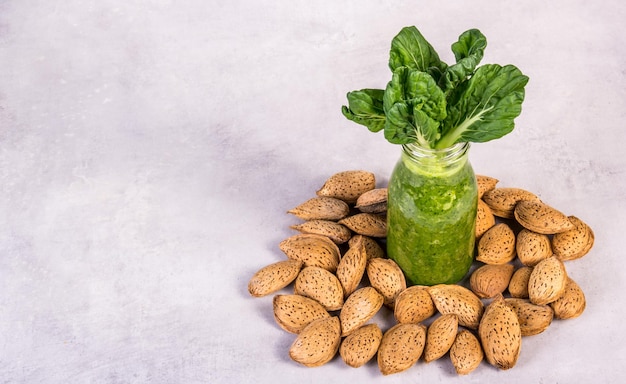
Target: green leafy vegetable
x,y
468,51
415,106
487,106
398,128
436,105
366,107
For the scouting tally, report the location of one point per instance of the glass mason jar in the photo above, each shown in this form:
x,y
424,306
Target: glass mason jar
x,y
432,213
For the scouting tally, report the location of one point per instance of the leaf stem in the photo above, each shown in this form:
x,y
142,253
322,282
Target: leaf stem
x,y
453,135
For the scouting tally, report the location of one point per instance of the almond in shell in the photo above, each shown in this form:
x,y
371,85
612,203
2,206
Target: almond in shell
x,y
518,286
401,347
361,345
533,318
374,201
348,185
338,233
358,308
456,299
497,245
502,201
485,183
532,247
547,281
571,304
312,250
372,248
489,280
466,352
387,278
541,218
294,312
274,277
575,243
352,267
440,336
500,334
367,224
413,305
484,219
320,285
321,208
318,342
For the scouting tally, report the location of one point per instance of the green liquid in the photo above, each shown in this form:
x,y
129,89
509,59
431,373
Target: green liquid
x,y
431,221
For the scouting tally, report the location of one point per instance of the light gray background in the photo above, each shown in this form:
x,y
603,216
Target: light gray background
x,y
149,151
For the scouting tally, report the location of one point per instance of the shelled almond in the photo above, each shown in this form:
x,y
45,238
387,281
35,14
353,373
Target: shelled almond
x,y
342,279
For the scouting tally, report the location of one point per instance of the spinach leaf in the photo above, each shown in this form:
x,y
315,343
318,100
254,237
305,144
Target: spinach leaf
x,y
486,106
425,95
471,43
365,107
468,51
426,128
410,49
395,90
429,105
399,128
418,106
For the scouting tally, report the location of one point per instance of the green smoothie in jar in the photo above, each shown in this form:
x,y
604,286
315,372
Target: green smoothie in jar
x,y
432,213
434,110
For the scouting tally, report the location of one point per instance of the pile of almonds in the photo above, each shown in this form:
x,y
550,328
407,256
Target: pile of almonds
x,y
342,278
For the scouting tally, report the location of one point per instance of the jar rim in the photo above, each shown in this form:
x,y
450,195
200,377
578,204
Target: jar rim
x,y
440,162
452,152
